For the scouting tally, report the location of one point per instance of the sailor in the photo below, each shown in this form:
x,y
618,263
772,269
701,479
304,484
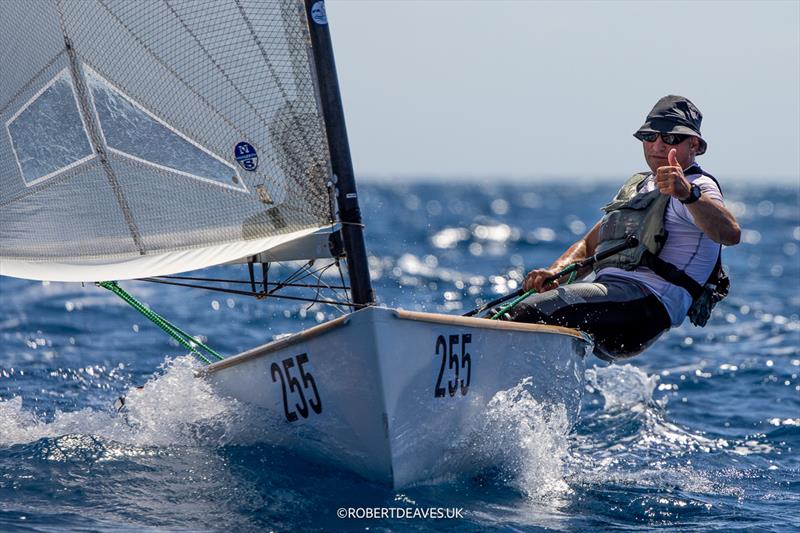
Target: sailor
x,y
678,216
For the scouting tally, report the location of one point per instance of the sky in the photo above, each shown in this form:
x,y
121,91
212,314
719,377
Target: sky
x,y
526,89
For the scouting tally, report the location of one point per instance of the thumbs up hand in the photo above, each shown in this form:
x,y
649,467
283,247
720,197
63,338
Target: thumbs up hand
x,y
670,179
672,158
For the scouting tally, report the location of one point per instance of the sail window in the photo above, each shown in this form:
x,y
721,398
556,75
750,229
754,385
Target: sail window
x,y
47,134
132,131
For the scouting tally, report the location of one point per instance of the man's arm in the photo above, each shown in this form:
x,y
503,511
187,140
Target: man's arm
x,y
715,221
711,217
579,251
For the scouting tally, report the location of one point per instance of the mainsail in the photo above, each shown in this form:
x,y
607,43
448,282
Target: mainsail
x,y
152,137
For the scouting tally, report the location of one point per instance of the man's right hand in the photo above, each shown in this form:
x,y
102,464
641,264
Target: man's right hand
x,y
535,280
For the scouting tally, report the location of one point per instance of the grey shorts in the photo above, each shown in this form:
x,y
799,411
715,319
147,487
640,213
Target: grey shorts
x,y
623,316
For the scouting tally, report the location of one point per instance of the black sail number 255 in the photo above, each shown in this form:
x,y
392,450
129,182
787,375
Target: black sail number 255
x,y
296,389
457,366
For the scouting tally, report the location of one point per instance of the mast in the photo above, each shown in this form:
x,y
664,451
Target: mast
x,y
347,197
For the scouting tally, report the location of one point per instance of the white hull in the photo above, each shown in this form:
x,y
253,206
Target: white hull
x,y
376,391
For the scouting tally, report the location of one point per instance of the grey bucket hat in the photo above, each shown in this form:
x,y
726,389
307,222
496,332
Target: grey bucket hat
x,y
675,114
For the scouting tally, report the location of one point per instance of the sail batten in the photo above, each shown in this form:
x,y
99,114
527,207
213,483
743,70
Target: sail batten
x,y
137,135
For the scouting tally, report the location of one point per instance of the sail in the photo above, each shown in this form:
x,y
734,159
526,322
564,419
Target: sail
x,y
154,137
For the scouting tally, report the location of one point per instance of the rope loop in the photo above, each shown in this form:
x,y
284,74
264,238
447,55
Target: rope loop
x,y
183,338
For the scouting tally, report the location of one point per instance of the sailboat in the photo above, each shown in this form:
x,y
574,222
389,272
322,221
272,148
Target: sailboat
x,y
147,139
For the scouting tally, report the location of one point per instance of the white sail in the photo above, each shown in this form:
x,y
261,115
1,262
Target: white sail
x,y
148,138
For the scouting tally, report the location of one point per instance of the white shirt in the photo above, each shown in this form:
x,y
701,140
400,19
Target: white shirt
x,y
687,247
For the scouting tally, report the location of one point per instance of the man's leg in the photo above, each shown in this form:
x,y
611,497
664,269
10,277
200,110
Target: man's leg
x,y
623,317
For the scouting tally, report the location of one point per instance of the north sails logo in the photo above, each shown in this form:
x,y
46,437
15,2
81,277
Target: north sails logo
x,y
318,14
246,156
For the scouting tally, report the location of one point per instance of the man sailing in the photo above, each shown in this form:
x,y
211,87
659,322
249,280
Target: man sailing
x,y
678,216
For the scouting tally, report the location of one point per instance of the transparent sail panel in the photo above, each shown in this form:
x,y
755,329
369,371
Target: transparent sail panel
x,y
47,134
131,130
138,130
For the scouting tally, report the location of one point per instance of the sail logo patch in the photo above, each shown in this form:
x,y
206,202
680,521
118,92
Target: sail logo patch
x,y
318,14
246,156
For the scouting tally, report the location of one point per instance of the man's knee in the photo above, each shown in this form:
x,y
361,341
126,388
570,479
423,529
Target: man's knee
x,y
618,347
529,313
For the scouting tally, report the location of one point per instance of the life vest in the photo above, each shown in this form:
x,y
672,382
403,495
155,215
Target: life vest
x,y
642,215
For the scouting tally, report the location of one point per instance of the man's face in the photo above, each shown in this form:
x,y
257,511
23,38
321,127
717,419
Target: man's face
x,y
655,153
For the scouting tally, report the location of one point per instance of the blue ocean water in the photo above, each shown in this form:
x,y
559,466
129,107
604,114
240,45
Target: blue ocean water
x,y
701,432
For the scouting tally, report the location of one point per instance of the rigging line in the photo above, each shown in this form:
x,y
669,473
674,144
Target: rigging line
x,y
341,277
292,278
332,289
319,288
306,271
244,282
310,273
289,281
183,338
508,307
319,275
320,269
298,275
316,299
242,293
344,298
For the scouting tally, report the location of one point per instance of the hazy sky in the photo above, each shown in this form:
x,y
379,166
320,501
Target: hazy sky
x,y
520,89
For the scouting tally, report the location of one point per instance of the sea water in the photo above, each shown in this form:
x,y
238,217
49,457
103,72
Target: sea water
x,y
700,432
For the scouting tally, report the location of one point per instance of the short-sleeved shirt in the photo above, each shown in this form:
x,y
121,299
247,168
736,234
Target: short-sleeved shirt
x,y
687,247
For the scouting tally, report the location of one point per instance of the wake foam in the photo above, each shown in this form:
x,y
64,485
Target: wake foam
x,y
527,440
173,408
622,386
630,441
631,411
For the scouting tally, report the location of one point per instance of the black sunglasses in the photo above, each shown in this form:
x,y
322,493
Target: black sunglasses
x,y
668,138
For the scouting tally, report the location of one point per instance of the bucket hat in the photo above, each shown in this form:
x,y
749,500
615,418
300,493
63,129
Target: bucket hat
x,y
675,114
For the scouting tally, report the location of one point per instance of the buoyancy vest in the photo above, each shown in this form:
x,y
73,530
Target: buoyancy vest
x,y
642,215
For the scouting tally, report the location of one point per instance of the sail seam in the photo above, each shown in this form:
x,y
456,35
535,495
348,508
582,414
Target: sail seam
x,y
92,127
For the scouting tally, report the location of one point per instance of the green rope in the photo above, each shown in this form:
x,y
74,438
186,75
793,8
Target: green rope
x,y
508,307
183,338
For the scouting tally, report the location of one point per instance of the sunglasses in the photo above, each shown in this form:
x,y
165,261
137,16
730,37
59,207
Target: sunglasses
x,y
668,138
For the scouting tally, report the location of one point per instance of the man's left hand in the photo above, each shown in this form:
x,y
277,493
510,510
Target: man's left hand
x,y
670,179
